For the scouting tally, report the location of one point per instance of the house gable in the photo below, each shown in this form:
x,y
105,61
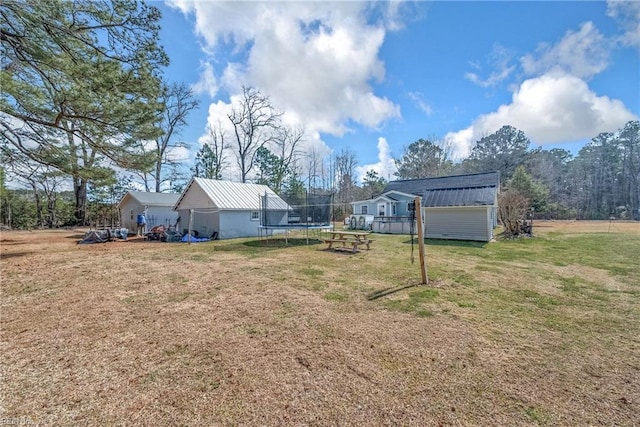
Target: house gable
x,y
194,197
145,198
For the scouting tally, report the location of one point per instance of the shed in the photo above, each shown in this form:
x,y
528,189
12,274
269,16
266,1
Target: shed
x,y
460,207
227,210
158,208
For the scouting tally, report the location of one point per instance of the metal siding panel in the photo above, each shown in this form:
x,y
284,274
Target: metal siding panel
x,y
460,223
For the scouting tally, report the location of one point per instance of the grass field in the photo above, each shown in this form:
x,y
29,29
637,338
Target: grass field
x,y
541,331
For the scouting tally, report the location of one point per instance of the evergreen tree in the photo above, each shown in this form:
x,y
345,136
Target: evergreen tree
x,y
80,85
501,151
423,159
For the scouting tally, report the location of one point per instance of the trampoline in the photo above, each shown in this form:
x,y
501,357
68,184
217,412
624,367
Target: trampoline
x,y
311,214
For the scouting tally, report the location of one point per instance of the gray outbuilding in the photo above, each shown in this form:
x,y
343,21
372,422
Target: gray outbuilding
x,y
226,210
157,207
459,207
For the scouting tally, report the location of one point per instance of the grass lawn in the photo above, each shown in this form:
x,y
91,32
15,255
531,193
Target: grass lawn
x,y
541,331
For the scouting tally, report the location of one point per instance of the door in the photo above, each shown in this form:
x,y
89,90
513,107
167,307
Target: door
x,y
382,211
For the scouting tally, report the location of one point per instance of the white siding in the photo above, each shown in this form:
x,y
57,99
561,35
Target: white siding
x,y
156,215
125,214
160,215
237,224
459,223
196,198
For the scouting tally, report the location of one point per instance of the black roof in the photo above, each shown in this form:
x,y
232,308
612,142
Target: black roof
x,y
419,186
455,190
480,196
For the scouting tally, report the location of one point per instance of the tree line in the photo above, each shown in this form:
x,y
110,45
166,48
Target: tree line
x,y
602,181
84,101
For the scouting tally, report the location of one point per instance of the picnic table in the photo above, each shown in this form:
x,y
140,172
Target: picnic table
x,y
342,240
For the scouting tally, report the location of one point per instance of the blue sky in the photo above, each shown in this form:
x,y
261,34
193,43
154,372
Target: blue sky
x,y
376,76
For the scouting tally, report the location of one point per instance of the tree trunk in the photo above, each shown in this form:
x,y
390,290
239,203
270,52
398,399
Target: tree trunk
x,y
158,175
36,199
80,192
51,210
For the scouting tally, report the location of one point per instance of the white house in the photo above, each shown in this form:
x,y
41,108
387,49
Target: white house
x,y
226,210
158,208
460,207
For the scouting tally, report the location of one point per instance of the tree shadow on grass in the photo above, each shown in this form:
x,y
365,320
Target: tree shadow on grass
x,y
75,236
263,244
388,291
16,254
297,241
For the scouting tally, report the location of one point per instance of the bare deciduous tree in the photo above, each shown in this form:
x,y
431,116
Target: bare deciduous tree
x,y
178,102
346,163
255,123
286,147
512,210
211,159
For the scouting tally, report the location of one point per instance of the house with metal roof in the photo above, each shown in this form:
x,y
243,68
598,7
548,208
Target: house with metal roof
x,y
460,207
157,207
226,210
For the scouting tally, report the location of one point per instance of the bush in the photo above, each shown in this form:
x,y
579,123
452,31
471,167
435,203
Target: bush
x,y
513,208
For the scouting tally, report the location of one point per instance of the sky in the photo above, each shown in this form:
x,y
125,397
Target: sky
x,y
373,77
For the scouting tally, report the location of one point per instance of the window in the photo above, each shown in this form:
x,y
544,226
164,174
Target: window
x,y
131,214
364,209
393,209
255,216
381,210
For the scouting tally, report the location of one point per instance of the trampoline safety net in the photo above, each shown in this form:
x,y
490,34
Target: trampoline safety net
x,y
307,210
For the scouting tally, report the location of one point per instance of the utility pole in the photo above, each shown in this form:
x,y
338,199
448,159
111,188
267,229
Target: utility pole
x,y
423,263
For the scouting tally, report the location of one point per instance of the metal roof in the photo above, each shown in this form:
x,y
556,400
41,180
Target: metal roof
x,y
152,199
481,196
419,186
227,195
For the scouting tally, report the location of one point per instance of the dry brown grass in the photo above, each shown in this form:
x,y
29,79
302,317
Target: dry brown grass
x,y
572,227
228,333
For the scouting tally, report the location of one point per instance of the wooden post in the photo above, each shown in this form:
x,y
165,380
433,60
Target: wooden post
x,y
423,263
190,224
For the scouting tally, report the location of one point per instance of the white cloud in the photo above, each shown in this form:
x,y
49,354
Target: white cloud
x,y
316,60
583,54
461,142
207,82
627,13
385,166
553,108
418,100
499,60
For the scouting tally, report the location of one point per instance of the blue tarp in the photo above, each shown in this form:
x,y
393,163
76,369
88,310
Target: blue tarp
x,y
103,236
188,238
